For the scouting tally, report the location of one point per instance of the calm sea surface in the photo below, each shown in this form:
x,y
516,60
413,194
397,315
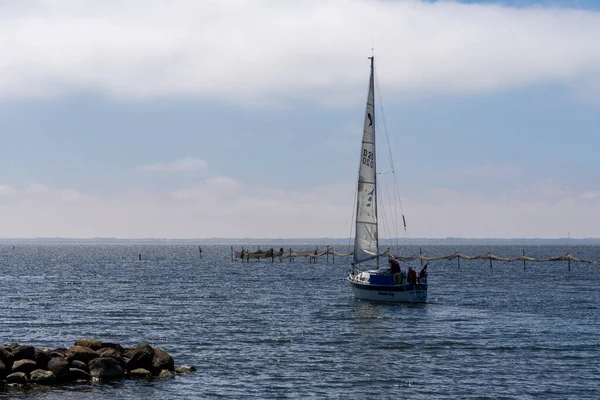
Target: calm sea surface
x,y
293,330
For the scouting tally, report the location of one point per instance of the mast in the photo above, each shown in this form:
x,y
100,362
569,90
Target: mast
x,y
372,84
366,246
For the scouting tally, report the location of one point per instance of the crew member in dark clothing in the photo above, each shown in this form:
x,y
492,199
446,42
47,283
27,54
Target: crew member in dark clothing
x,y
412,276
423,274
394,266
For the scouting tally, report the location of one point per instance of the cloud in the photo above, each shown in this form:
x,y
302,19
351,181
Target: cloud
x,y
267,50
182,165
494,173
6,190
223,207
591,194
37,188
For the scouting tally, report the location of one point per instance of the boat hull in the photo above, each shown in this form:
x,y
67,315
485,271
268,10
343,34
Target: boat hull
x,y
392,294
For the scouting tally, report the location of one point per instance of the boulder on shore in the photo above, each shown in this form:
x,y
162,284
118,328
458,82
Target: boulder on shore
x,y
60,367
42,377
162,360
140,373
81,353
139,357
106,369
76,374
23,352
25,366
89,343
17,377
185,369
87,359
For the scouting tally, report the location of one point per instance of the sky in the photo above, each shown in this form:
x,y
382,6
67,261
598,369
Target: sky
x,y
243,119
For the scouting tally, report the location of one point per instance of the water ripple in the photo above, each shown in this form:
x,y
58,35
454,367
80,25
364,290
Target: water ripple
x,y
293,330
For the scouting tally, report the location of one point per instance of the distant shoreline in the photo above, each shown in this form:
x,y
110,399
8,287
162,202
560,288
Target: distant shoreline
x,y
320,241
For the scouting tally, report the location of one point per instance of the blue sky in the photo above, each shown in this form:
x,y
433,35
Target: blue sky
x,y
243,118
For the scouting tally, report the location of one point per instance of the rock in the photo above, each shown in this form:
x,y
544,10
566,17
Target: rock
x,y
42,357
6,356
87,359
76,374
59,353
185,369
140,373
81,353
166,374
25,366
128,352
140,357
106,368
89,343
115,346
79,365
17,377
60,367
24,352
162,360
112,353
42,377
11,347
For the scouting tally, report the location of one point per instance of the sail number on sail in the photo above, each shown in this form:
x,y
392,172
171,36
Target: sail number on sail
x,y
367,158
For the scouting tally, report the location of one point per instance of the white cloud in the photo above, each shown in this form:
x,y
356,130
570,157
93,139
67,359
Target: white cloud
x,y
591,194
37,188
6,190
182,165
70,196
263,50
226,208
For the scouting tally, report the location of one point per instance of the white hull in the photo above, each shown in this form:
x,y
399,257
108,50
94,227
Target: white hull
x,y
397,293
383,295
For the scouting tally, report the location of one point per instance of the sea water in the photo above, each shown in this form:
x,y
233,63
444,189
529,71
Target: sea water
x,y
293,330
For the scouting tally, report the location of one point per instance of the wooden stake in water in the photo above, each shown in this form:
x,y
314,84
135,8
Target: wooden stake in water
x,y
523,260
200,251
421,253
231,253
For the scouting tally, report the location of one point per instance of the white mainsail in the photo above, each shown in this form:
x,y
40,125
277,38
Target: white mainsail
x,y
366,239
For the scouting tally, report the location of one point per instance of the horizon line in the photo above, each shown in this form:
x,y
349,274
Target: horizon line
x,y
114,238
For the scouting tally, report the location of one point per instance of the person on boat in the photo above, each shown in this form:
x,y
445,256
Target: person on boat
x,y
394,266
412,276
423,274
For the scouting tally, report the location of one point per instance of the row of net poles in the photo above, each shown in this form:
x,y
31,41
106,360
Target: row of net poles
x,y
524,261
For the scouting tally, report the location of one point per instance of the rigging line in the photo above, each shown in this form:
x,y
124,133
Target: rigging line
x,y
353,219
384,206
389,148
391,159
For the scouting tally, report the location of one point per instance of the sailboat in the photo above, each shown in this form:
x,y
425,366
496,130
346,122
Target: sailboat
x,y
379,283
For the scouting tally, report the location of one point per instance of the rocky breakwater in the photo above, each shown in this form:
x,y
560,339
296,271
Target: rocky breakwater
x,y
87,359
